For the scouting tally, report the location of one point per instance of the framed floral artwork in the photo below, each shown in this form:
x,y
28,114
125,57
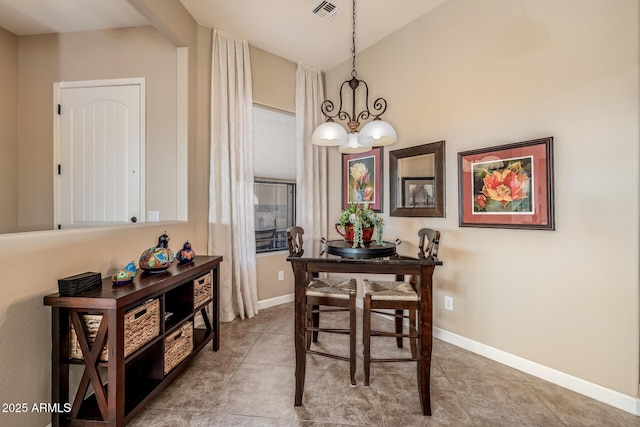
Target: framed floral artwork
x,y
362,179
507,186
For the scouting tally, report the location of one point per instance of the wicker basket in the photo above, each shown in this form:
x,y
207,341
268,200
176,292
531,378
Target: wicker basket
x,y
141,325
177,346
202,290
91,324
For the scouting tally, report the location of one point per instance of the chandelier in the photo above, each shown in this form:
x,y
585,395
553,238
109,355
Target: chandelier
x,y
375,133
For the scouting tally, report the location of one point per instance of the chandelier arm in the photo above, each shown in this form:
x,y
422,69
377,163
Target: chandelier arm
x,y
379,107
327,107
364,114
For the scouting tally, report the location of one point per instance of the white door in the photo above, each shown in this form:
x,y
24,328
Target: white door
x,y
100,175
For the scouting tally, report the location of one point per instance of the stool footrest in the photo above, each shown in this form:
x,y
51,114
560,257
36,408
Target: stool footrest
x,y
392,334
394,360
328,330
329,310
333,356
386,313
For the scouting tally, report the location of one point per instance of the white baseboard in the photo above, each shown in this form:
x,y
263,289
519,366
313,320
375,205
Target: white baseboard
x,y
610,397
266,303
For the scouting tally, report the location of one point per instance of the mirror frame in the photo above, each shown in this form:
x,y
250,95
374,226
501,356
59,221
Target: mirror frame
x,y
437,148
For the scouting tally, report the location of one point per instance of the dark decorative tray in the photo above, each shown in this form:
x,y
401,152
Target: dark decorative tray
x,y
371,250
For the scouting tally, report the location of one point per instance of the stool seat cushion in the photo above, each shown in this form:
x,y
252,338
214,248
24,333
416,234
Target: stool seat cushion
x,y
335,288
390,291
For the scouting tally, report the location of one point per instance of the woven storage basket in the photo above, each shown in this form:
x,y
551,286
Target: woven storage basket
x,y
141,325
91,324
201,290
177,346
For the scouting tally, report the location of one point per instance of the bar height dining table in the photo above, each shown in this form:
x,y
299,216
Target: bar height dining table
x,y
373,259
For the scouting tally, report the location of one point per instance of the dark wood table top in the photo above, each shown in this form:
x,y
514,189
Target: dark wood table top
x,y
339,251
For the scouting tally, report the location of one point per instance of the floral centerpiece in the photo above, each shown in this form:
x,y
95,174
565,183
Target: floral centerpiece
x,y
361,218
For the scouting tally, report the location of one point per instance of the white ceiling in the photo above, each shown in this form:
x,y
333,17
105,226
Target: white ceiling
x,y
289,29
25,17
284,27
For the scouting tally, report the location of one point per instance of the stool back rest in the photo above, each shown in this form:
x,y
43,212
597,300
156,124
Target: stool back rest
x,y
294,240
432,239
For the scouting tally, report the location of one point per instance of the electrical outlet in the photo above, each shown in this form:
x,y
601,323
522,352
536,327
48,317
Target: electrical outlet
x,y
280,275
448,303
154,216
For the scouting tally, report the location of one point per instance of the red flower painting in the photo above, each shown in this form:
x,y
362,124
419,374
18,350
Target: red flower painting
x,y
503,186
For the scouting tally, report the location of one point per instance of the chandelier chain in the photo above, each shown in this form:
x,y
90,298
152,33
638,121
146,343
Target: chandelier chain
x,y
353,41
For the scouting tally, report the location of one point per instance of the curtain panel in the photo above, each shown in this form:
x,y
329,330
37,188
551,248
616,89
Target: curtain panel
x,y
311,173
231,214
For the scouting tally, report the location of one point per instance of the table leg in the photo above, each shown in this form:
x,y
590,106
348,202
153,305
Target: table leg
x,y
59,367
215,314
300,273
426,336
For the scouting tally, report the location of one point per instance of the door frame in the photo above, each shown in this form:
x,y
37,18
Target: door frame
x,y
57,86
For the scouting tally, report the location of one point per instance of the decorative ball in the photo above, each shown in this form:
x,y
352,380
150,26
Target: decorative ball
x,y
158,258
186,254
124,275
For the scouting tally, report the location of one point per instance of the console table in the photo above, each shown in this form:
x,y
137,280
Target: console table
x,y
135,374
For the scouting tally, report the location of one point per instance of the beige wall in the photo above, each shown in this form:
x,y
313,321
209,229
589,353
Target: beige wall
x,y
479,74
274,80
32,262
267,267
94,55
8,131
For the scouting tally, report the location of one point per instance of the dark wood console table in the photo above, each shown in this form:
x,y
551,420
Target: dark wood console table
x,y
397,265
132,379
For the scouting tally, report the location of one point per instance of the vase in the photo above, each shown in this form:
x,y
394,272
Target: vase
x,y
367,233
359,195
186,254
159,258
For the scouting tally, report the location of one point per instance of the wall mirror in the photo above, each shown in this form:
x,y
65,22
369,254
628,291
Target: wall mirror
x,y
31,63
416,180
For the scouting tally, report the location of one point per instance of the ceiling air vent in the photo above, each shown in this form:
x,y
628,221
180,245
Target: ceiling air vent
x,y
326,10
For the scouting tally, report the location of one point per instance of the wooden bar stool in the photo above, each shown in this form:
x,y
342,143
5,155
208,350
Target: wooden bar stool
x,y
340,293
396,295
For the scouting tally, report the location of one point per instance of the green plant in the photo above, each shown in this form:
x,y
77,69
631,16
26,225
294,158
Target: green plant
x,y
361,217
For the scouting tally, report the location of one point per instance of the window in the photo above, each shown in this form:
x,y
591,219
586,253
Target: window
x,y
274,158
275,211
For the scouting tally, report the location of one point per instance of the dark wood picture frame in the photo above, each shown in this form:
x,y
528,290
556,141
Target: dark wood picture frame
x,y
395,181
507,186
364,183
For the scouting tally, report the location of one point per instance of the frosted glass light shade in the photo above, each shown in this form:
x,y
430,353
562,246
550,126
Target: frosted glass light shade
x,y
380,131
328,134
355,144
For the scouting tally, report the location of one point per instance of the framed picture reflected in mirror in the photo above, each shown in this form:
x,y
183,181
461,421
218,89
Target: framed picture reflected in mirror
x,y
418,192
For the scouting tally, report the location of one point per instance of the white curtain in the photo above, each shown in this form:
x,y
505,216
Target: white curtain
x,y
311,181
231,217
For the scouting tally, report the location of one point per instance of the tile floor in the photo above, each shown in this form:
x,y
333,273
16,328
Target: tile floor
x,y
250,382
